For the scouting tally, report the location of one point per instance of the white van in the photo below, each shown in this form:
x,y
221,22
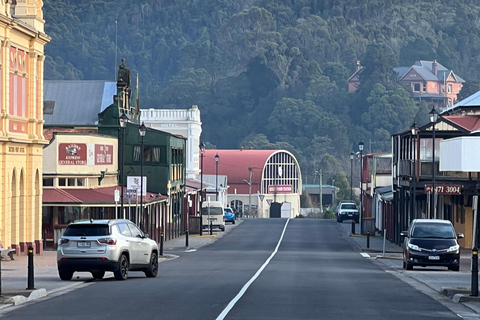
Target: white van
x,y
212,211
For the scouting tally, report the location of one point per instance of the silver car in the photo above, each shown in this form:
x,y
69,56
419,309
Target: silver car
x,y
114,245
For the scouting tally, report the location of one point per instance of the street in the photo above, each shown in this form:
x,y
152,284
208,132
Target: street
x,y
262,269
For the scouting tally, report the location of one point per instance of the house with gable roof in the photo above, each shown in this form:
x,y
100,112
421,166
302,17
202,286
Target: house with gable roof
x,y
427,80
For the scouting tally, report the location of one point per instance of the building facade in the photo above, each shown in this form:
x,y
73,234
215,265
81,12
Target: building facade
x,y
21,124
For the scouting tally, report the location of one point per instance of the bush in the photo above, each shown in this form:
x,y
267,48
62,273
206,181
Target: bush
x,y
328,214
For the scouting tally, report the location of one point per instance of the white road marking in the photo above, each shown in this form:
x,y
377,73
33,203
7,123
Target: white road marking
x,y
365,255
255,276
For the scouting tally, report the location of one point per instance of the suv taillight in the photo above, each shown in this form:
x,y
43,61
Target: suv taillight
x,y
108,241
63,241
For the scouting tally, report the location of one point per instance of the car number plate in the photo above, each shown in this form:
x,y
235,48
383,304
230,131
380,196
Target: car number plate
x,y
83,244
433,257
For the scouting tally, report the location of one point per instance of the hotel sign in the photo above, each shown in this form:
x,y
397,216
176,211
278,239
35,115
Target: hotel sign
x,y
444,189
280,189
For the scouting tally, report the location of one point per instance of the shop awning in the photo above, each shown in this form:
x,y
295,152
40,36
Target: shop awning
x,y
91,197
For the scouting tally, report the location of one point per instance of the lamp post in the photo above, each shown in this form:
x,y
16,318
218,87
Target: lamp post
x,y
361,145
320,204
414,131
433,118
352,155
216,176
202,151
142,130
123,123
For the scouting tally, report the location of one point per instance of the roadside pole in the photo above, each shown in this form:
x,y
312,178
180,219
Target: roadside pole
x,y
474,283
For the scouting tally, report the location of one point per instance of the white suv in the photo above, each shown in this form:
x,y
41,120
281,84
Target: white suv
x,y
114,245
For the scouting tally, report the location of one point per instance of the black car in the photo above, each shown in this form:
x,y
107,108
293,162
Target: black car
x,y
431,242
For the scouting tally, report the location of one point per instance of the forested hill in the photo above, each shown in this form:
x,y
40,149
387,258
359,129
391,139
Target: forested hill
x,y
270,74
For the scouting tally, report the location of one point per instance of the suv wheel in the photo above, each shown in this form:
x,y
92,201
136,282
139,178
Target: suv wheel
x,y
65,275
122,272
152,270
98,275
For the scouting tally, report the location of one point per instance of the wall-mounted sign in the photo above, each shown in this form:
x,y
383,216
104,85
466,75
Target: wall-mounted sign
x,y
280,189
72,154
103,154
444,189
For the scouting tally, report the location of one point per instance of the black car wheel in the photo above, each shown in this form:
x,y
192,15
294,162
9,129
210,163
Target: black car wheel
x,y
122,272
454,268
152,270
65,275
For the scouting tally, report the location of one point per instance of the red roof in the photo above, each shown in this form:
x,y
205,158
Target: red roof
x,y
468,122
235,164
103,196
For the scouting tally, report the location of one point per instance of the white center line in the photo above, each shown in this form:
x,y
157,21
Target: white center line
x,y
365,255
255,276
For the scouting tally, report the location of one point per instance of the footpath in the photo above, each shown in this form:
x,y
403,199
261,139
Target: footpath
x,y
450,288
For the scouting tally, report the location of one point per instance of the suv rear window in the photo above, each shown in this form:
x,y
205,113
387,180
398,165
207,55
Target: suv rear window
x,y
78,230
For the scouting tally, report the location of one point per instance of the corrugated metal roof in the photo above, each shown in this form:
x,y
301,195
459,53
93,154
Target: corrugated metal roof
x,y
77,102
471,101
90,197
424,69
468,122
235,164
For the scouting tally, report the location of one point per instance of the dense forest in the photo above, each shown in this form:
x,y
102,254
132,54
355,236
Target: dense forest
x,y
271,74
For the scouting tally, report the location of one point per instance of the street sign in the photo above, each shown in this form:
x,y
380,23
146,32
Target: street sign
x,y
117,195
129,196
130,191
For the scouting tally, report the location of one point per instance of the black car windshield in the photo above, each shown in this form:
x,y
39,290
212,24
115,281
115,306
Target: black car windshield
x,y
78,230
349,206
433,230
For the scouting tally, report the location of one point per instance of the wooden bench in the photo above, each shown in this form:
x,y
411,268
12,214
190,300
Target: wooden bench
x,y
4,253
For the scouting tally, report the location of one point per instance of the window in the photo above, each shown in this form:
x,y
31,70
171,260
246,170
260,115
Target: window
x,y
449,88
62,182
48,182
80,182
124,230
146,154
416,87
136,153
71,182
135,231
156,154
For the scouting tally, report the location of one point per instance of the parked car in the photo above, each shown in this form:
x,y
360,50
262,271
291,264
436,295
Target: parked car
x,y
229,215
347,211
431,242
212,215
97,246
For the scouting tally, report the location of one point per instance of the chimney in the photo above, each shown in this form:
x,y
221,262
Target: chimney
x,y
358,66
434,67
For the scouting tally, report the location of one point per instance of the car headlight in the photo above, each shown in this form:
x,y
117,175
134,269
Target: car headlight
x,y
453,248
414,247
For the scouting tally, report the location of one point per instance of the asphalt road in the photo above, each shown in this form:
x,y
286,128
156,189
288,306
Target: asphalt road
x,y
262,269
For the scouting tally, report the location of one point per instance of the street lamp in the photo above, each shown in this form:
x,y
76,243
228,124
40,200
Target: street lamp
x,y
123,123
142,130
216,176
361,145
352,155
433,118
414,131
320,205
202,151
